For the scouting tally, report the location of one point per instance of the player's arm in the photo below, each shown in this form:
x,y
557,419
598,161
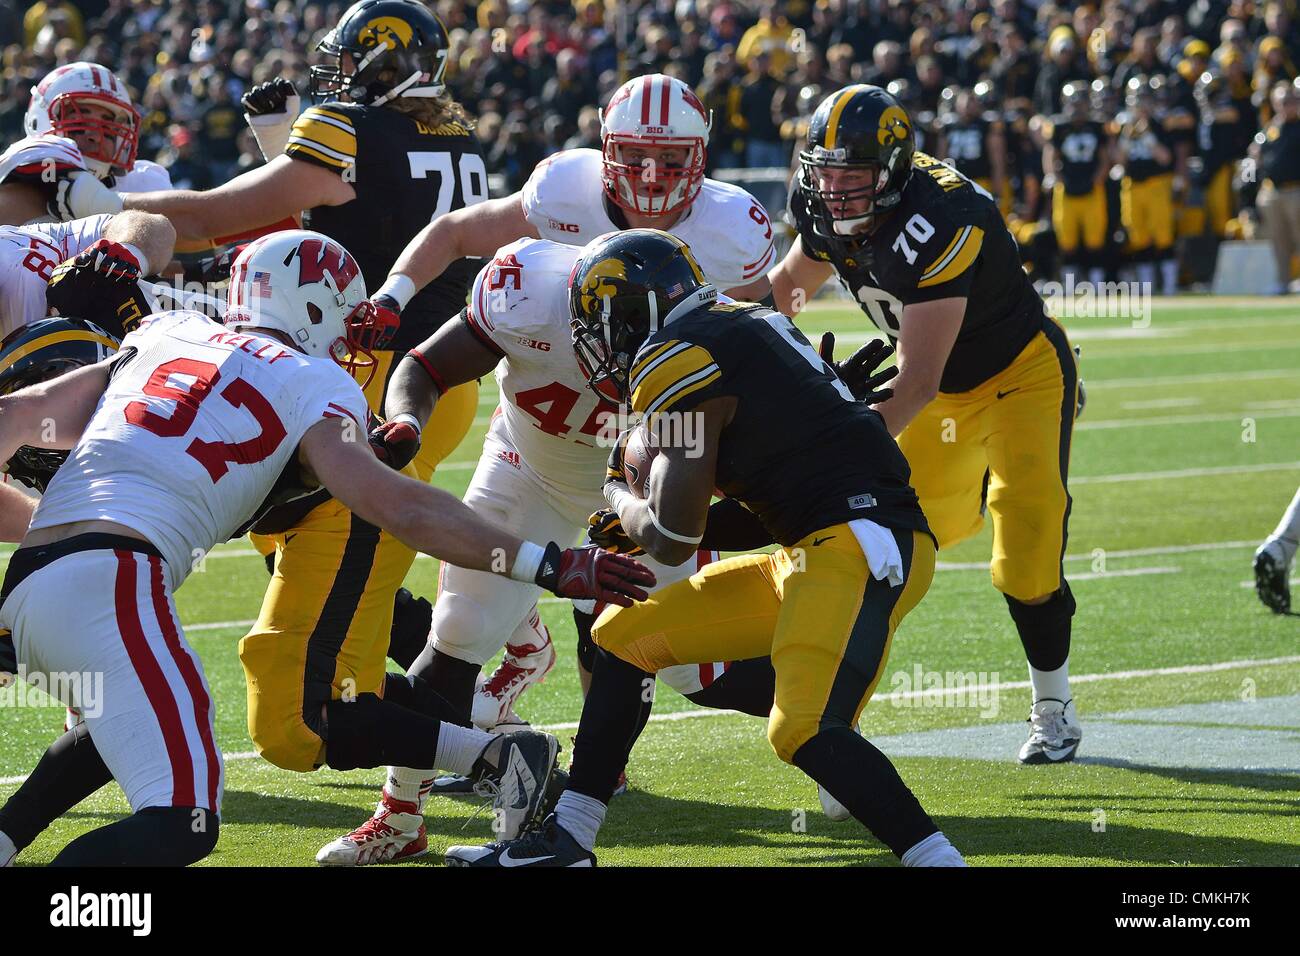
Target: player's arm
x,y
52,414
796,278
478,230
927,331
670,524
429,519
1051,164
451,356
153,235
997,147
15,513
283,187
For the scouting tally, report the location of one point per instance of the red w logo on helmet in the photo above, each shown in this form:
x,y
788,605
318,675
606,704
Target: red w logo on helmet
x,y
315,258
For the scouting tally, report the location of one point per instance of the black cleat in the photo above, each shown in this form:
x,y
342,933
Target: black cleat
x,y
549,846
1271,579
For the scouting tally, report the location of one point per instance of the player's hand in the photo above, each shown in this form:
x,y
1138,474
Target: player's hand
x,y
274,96
614,469
388,319
101,285
211,270
594,573
605,529
396,442
858,372
80,194
1083,397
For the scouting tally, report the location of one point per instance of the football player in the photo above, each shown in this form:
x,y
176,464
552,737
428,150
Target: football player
x,y
987,382
816,471
974,141
1076,157
1274,558
1146,149
234,414
80,119
648,172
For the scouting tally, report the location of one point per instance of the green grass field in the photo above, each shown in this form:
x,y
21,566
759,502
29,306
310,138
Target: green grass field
x,y
1188,689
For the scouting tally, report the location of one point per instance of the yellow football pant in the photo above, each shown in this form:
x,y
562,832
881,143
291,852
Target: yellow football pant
x,y
1016,427
814,607
1216,208
1079,218
1147,211
324,626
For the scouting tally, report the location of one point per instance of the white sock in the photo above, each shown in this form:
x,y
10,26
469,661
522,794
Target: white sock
x,y
460,747
1051,684
410,786
7,849
1096,276
582,816
1287,533
934,850
1169,270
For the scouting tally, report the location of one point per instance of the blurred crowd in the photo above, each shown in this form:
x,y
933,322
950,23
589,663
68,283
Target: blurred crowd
x,y
534,73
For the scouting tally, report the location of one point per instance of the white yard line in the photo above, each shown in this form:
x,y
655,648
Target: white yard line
x,y
1185,473
1201,378
1291,410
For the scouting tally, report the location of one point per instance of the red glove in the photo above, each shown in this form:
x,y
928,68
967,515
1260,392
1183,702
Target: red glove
x,y
385,319
112,260
395,443
594,573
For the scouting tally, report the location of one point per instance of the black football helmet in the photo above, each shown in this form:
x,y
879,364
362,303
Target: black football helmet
x,y
627,286
398,48
36,353
859,127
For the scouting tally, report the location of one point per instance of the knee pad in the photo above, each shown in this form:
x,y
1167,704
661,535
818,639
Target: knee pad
x,y
412,621
296,747
787,733
619,635
459,628
586,644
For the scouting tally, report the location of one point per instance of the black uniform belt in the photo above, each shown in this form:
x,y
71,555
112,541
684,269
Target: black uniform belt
x,y
29,560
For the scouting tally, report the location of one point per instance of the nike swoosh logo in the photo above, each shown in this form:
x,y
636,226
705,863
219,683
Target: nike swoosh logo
x,y
1008,392
290,537
817,541
507,860
523,791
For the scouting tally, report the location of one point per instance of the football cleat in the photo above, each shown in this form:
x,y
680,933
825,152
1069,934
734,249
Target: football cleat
x,y
8,852
518,785
452,785
1054,733
523,666
395,832
551,845
1271,577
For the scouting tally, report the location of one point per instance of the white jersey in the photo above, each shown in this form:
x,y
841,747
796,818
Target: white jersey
x,y
194,429
728,230
48,155
519,308
28,255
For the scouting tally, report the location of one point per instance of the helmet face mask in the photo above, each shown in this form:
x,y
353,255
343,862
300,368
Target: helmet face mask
x,y
382,50
647,121
87,103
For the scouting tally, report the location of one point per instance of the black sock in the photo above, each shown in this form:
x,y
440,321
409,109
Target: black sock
x,y
747,686
410,632
370,732
414,694
68,772
583,622
613,716
155,836
1045,628
862,778
450,677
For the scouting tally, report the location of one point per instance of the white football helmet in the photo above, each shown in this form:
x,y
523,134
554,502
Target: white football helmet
x,y
87,103
654,111
309,288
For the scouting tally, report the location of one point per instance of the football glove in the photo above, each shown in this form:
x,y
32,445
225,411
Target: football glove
x,y
102,285
80,194
212,270
591,573
1083,396
396,442
858,372
614,469
388,319
270,110
270,97
605,529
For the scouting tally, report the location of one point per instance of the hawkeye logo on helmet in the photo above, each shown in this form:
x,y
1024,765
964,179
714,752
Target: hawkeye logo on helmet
x,y
601,281
396,33
893,126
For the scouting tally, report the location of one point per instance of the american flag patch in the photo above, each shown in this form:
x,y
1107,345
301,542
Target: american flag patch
x,y
262,285
674,290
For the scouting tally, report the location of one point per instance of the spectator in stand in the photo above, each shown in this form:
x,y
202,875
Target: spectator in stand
x,y
1276,151
755,116
886,64
769,36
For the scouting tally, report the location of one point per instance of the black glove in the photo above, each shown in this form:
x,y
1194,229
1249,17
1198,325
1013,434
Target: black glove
x,y
100,285
395,443
211,270
858,372
605,529
593,573
269,97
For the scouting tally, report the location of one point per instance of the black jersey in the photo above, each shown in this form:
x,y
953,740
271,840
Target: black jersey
x,y
1079,145
945,239
405,174
799,453
966,145
1279,153
1138,147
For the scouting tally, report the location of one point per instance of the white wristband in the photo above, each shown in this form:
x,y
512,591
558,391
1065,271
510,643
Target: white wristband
x,y
527,561
140,257
408,418
399,288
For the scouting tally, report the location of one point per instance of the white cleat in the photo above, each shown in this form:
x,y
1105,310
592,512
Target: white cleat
x,y
395,832
523,666
1054,733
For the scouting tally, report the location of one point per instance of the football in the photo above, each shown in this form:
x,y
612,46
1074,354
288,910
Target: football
x,y
637,459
